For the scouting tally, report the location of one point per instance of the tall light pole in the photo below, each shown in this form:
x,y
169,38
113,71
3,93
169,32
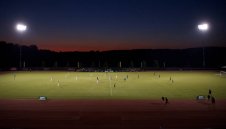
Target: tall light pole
x,y
204,27
21,28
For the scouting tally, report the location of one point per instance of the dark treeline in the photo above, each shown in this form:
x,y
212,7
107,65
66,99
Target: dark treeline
x,y
32,57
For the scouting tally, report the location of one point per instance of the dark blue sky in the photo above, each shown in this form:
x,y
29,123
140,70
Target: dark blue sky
x,y
67,25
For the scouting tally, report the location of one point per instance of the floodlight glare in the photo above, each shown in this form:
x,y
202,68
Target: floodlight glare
x,y
21,27
203,27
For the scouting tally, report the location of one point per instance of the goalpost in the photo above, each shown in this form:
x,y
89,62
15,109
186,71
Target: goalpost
x,y
222,74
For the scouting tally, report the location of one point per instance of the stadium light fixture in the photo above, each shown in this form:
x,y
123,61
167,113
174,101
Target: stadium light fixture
x,y
21,27
203,27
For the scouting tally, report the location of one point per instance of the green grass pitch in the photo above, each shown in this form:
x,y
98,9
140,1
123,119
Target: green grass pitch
x,y
84,85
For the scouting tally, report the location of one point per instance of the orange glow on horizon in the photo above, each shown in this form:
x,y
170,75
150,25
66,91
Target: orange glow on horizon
x,y
64,46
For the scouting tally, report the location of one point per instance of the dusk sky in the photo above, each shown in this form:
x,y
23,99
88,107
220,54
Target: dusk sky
x,y
84,25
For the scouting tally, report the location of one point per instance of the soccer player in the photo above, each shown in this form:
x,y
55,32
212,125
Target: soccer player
x,y
163,98
208,96
166,100
14,76
210,91
97,80
58,83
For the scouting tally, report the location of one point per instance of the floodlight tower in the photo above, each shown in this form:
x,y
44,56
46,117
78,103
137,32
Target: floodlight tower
x,y
204,27
21,28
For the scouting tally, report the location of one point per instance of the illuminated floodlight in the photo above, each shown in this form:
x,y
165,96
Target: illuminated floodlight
x,y
203,27
21,27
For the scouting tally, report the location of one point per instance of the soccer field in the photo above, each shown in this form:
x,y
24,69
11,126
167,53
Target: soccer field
x,y
111,85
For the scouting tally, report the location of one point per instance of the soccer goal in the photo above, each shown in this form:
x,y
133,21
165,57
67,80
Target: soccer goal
x,y
222,74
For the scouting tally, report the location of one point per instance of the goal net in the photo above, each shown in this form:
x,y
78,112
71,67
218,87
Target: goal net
x,y
222,74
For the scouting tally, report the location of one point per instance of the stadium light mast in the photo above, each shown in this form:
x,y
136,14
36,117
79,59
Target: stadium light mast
x,y
21,28
204,27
